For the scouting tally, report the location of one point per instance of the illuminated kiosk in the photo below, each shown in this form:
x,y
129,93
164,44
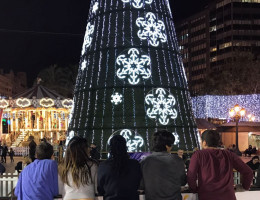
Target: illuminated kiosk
x,y
131,79
38,111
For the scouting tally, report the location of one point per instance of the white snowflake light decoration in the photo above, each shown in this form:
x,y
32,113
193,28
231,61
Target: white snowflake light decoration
x,y
95,7
151,29
116,98
138,3
88,37
83,65
160,106
134,66
134,142
177,138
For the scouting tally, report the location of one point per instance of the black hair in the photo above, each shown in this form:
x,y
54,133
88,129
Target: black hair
x,y
211,137
44,151
255,157
162,138
118,153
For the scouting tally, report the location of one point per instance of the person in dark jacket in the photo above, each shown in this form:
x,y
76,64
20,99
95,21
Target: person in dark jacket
x,y
2,169
94,153
254,163
32,148
4,153
119,177
11,154
163,173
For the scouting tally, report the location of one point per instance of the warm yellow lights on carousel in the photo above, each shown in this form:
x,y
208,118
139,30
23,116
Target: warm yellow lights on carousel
x,y
46,102
23,102
67,103
3,103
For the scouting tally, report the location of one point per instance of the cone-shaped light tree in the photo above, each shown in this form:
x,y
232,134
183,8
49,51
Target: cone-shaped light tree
x,y
131,79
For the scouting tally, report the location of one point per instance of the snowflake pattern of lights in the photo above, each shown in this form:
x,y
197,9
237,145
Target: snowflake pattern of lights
x,y
177,138
116,98
88,37
134,142
83,65
138,3
151,29
95,7
134,66
160,106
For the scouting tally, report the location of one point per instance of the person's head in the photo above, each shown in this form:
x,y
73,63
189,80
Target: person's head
x,y
31,138
44,151
255,160
162,140
77,161
250,146
118,153
210,138
27,160
11,149
180,153
93,146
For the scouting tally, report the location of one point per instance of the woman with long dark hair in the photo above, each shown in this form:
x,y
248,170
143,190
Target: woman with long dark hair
x,y
77,171
119,177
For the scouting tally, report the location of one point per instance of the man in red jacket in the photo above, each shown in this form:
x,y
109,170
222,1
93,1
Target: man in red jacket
x,y
213,168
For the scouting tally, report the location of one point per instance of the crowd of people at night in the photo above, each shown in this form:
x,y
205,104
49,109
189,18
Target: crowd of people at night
x,y
160,175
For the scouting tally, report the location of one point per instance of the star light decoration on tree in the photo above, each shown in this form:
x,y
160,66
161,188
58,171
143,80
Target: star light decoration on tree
x,y
116,98
160,106
177,138
134,141
138,3
151,29
95,7
88,37
134,66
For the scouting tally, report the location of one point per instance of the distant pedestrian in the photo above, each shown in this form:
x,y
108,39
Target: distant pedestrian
x,y
4,153
1,151
11,154
32,148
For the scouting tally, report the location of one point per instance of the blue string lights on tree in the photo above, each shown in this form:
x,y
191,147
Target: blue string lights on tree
x,y
131,79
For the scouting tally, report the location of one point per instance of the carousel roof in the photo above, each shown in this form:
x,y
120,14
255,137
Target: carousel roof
x,y
39,92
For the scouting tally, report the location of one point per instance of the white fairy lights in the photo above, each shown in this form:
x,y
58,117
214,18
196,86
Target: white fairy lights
x,y
217,107
120,64
177,138
151,29
134,66
160,105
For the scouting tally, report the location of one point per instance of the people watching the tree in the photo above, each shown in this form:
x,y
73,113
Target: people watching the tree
x,y
254,163
213,168
39,180
163,173
248,151
77,171
119,177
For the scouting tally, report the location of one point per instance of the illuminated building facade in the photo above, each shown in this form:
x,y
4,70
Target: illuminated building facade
x,y
210,37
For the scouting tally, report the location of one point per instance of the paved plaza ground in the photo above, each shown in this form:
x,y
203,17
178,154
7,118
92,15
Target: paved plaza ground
x,y
10,166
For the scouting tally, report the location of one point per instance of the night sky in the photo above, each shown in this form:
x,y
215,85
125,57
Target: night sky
x,y
37,33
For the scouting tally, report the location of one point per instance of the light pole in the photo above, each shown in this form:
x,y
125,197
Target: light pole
x,y
236,113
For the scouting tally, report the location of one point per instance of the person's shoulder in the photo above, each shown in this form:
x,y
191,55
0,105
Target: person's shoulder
x,y
133,162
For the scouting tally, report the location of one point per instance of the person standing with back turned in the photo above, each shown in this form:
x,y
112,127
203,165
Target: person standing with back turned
x,y
214,169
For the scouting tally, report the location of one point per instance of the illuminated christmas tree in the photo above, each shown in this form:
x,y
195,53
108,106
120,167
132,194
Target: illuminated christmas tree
x,y
131,79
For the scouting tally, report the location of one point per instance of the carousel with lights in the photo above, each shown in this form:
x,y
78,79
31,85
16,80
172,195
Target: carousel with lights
x,y
39,112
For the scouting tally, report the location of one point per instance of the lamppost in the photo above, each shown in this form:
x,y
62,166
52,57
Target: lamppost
x,y
237,113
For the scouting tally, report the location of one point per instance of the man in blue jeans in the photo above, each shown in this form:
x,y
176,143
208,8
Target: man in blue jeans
x,y
39,180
